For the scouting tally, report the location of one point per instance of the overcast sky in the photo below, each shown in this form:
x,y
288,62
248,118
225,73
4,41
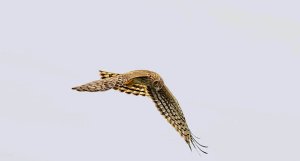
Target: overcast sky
x,y
233,66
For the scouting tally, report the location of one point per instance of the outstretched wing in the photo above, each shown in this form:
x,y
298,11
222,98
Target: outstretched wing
x,y
136,89
168,106
101,85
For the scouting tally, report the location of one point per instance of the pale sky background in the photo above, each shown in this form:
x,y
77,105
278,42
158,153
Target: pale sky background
x,y
233,66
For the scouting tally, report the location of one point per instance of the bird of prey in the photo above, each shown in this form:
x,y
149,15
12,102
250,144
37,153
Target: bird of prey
x,y
146,83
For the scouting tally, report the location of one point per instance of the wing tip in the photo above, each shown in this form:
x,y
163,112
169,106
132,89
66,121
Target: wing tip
x,y
196,144
78,88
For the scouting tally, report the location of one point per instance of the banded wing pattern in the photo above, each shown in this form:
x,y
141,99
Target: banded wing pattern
x,y
101,85
136,89
168,106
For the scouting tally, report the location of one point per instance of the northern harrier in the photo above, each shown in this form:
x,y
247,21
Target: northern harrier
x,y
146,83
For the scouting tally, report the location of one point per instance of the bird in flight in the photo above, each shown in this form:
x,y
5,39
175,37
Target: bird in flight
x,y
146,83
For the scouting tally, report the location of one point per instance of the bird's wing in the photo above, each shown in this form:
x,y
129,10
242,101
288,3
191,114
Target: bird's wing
x,y
101,85
136,89
168,106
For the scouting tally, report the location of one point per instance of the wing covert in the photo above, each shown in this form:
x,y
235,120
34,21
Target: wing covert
x,y
135,89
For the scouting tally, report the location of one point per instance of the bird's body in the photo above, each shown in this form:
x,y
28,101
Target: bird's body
x,y
146,83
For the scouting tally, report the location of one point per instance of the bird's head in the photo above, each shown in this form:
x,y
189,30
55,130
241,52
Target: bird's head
x,y
158,84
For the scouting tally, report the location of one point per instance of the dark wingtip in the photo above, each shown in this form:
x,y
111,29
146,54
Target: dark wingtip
x,y
75,88
197,145
189,146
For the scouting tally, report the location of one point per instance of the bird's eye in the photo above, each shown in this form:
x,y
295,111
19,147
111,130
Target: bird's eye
x,y
157,85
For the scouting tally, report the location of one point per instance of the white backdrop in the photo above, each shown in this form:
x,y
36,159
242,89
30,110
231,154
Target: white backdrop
x,y
233,66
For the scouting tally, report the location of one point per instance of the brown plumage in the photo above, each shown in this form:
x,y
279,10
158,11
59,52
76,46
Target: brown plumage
x,y
136,89
146,83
